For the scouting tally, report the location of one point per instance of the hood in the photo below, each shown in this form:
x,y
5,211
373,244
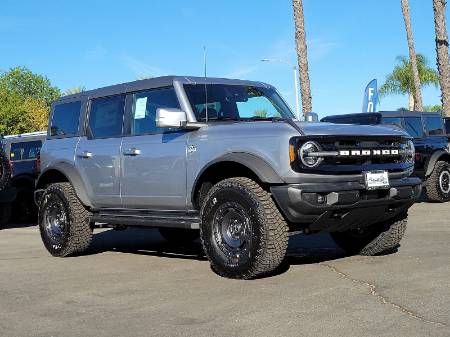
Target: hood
x,y
327,129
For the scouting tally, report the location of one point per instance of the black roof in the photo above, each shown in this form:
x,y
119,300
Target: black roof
x,y
385,114
157,82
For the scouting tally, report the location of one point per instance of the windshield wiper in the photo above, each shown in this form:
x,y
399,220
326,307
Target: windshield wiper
x,y
258,118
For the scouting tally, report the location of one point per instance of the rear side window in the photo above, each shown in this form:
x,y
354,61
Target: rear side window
x,y
434,125
65,119
414,127
106,117
25,150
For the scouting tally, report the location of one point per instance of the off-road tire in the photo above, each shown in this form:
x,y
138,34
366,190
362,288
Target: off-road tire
x,y
378,239
5,170
179,236
77,234
433,186
268,231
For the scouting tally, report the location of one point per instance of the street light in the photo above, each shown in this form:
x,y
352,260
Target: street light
x,y
294,69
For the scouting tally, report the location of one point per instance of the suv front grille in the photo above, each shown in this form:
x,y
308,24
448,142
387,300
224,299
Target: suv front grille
x,y
356,154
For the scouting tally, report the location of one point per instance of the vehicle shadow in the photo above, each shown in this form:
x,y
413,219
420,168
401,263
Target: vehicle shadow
x,y
302,249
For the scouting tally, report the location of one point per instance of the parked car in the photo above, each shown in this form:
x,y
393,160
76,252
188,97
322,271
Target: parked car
x,y
432,162
225,157
21,154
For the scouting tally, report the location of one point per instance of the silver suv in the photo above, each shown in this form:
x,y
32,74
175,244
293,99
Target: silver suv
x,y
222,158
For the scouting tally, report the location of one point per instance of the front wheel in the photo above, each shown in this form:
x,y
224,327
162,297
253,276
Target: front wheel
x,y
242,231
438,183
372,240
63,221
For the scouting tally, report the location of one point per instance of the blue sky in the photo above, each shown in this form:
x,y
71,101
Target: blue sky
x,y
96,43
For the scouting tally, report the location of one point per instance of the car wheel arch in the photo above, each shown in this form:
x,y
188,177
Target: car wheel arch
x,y
437,156
64,173
235,164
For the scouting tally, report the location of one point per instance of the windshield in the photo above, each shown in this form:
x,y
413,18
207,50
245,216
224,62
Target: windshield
x,y
217,102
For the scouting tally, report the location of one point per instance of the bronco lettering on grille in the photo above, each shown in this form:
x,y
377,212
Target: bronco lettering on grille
x,y
359,153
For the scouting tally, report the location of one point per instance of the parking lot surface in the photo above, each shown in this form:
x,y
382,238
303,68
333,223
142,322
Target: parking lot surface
x,y
133,283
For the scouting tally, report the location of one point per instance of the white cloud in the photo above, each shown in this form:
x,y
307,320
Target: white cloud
x,y
141,68
241,72
320,47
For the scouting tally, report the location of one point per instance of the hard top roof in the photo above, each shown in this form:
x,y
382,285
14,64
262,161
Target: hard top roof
x,y
157,82
387,114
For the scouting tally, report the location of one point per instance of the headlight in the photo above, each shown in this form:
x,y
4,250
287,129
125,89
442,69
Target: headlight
x,y
308,154
410,152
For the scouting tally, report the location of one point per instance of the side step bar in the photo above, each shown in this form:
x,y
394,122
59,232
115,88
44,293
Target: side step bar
x,y
176,219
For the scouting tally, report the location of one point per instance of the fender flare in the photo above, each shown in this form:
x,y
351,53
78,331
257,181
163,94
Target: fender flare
x,y
72,176
260,167
434,158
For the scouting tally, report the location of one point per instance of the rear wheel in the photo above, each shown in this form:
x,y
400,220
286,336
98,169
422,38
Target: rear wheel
x,y
372,240
63,221
438,183
242,231
179,235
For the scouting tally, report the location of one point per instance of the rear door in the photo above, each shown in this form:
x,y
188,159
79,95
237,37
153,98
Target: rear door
x,y
98,153
153,159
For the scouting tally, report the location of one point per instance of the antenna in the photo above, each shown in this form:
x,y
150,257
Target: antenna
x,y
206,89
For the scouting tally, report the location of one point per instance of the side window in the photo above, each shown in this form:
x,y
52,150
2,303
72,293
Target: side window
x,y
106,117
65,119
434,125
414,127
145,106
25,150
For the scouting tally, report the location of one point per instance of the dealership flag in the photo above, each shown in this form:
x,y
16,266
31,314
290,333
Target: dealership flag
x,y
370,97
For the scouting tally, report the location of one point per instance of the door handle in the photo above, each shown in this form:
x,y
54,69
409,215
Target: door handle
x,y
132,152
85,154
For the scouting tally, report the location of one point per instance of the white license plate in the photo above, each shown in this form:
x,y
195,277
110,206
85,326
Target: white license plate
x,y
376,179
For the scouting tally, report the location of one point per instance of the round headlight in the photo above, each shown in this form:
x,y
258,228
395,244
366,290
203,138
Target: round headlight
x,y
306,154
410,152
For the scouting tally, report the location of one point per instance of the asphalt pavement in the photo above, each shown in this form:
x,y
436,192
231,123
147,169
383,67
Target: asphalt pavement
x,y
133,283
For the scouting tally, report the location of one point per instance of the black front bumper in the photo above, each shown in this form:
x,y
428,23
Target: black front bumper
x,y
342,206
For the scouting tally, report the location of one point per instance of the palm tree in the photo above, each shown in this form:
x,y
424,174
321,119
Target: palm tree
x,y
442,53
401,81
302,55
74,90
417,95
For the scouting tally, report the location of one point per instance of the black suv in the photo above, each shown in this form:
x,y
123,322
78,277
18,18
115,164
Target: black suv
x,y
430,140
19,170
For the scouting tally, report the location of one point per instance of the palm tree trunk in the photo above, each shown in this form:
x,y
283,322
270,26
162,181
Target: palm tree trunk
x,y
412,56
302,55
442,53
411,103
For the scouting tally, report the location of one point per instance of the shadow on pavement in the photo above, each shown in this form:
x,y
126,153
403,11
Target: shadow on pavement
x,y
303,249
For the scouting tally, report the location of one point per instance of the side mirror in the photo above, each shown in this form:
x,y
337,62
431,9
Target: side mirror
x,y
175,118
311,117
170,118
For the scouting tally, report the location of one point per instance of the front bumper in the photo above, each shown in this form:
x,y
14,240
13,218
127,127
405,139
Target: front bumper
x,y
342,206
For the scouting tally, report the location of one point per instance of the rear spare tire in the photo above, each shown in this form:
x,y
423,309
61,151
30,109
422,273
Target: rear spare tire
x,y
63,221
242,231
5,170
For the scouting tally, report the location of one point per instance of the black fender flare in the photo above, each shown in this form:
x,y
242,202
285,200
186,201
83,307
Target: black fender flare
x,y
72,176
435,158
260,167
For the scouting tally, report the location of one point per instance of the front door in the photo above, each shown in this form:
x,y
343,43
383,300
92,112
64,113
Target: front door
x,y
153,159
98,153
